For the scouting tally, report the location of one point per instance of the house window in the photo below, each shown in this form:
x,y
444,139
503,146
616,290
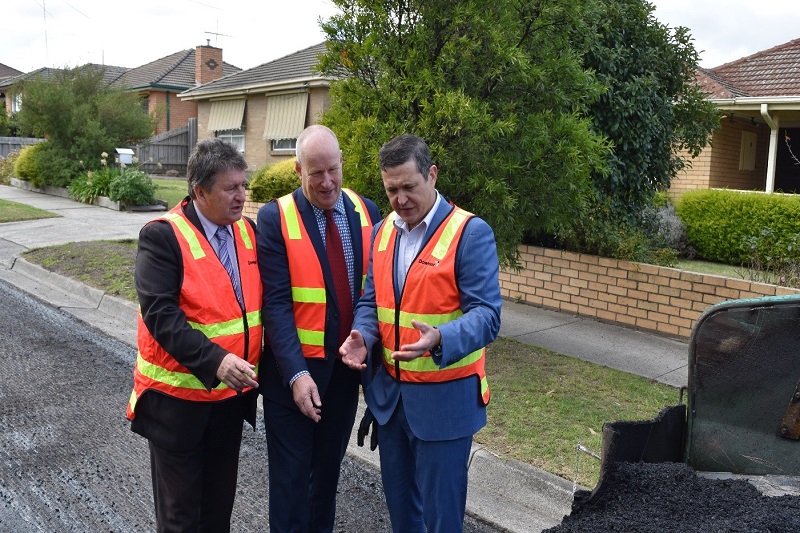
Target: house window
x,y
284,144
16,102
235,137
286,118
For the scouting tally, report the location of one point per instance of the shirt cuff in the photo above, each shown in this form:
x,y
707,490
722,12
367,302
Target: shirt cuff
x,y
296,376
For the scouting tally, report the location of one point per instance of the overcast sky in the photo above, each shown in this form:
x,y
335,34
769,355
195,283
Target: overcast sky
x,y
58,33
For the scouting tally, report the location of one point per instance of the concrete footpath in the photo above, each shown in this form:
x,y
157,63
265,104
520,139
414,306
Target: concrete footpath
x,y
505,493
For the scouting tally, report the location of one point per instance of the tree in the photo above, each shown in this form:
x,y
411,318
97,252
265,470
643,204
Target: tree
x,y
81,117
652,110
494,88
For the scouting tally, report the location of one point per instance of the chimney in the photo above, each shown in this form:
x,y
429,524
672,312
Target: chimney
x,y
207,64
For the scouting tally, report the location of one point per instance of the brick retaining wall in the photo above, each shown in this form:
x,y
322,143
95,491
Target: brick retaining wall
x,y
662,300
666,301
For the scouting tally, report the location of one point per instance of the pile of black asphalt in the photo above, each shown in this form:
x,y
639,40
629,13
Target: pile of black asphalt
x,y
666,497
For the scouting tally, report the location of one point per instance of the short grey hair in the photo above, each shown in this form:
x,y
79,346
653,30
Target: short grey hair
x,y
308,133
404,148
209,158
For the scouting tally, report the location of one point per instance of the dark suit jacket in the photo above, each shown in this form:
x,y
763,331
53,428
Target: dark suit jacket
x,y
283,358
169,422
451,410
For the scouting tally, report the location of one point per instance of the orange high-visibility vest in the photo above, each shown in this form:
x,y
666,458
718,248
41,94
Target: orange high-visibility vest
x,y
308,285
209,309
430,295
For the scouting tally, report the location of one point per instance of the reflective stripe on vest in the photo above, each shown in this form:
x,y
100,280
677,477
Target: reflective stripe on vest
x,y
432,272
308,284
219,318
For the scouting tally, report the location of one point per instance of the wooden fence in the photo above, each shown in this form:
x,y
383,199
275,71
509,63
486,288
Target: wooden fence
x,y
15,144
166,151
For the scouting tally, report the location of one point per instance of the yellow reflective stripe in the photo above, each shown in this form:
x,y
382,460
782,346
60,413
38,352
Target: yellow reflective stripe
x,y
311,337
243,233
174,379
290,215
183,226
386,314
132,400
446,239
359,208
386,231
229,327
427,364
484,386
311,295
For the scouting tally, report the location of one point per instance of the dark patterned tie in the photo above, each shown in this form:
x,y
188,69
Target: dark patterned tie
x,y
341,278
224,258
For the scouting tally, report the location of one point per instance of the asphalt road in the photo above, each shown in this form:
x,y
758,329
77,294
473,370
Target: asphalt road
x,y
68,460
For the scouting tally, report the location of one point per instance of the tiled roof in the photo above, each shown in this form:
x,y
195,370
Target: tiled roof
x,y
175,70
8,72
295,66
110,74
772,72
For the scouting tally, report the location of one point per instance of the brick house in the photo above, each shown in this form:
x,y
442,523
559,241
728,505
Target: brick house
x,y
160,81
263,109
6,72
12,100
759,135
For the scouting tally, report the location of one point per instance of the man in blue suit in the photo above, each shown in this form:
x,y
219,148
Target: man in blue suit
x,y
432,299
310,396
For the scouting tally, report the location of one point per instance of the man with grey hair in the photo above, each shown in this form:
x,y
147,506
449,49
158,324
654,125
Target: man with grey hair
x,y
313,248
199,340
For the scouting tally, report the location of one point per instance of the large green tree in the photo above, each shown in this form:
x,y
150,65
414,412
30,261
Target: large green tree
x,y
81,117
652,110
496,89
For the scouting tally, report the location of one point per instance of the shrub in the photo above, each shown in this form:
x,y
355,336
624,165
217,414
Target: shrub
x,y
25,167
132,187
773,259
273,181
7,167
55,167
598,229
92,184
721,224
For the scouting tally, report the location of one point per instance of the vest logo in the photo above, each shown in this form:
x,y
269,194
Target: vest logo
x,y
428,263
249,262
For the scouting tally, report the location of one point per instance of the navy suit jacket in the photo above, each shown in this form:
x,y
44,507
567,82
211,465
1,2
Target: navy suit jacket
x,y
283,357
451,410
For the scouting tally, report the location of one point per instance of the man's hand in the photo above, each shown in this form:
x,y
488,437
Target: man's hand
x,y
429,338
354,351
306,397
236,373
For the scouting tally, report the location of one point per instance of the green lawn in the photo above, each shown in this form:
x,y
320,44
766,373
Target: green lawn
x,y
171,190
14,212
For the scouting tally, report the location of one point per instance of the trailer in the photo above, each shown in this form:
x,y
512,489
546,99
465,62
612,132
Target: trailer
x,y
729,458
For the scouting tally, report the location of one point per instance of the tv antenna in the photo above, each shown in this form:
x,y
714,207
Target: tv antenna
x,y
218,35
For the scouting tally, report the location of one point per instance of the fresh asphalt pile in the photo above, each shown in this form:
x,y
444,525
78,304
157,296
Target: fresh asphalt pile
x,y
666,497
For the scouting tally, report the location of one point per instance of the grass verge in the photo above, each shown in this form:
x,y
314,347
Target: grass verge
x,y
171,191
543,403
106,265
15,212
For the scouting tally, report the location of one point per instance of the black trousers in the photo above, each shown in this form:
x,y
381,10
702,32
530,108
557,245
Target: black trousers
x,y
194,489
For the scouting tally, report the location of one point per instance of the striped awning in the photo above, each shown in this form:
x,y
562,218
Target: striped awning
x,y
286,116
226,115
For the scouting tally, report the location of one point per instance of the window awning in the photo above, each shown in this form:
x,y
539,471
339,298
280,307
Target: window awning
x,y
226,115
286,116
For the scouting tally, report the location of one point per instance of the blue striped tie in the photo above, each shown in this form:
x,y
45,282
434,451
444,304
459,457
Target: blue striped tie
x,y
225,259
